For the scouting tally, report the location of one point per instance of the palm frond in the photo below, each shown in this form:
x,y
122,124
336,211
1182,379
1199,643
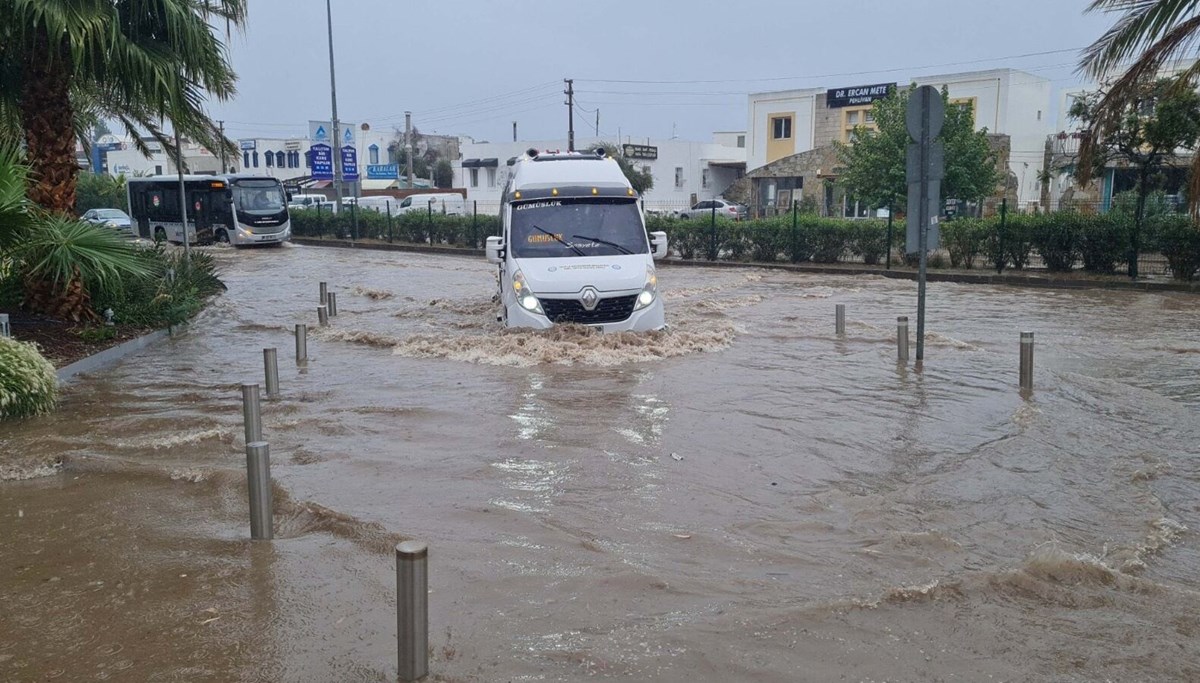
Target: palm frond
x,y
57,249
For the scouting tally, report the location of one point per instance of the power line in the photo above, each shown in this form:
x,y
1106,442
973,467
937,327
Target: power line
x,y
834,75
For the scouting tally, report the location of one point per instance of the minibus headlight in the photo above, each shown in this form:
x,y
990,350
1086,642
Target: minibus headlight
x,y
649,291
526,299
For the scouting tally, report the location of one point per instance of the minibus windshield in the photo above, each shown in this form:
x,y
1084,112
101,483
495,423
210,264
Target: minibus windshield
x,y
577,227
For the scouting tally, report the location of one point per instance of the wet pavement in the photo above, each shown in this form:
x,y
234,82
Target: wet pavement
x,y
744,497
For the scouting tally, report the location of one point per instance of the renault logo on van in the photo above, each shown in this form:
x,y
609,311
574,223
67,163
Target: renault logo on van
x,y
590,298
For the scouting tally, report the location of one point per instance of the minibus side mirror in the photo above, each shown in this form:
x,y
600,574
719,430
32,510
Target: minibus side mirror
x,y
493,249
289,196
658,240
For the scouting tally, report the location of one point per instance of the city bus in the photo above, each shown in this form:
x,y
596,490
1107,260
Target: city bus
x,y
237,209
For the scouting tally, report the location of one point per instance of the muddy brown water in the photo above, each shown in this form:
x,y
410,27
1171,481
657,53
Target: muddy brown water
x,y
744,497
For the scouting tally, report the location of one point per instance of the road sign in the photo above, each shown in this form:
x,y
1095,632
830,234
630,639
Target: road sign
x,y
383,171
924,117
925,98
912,240
321,158
349,163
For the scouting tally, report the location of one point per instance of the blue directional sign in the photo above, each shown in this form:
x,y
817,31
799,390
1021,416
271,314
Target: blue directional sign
x,y
321,158
383,171
349,163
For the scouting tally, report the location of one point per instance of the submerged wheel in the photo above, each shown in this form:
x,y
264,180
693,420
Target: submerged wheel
x,y
160,235
222,237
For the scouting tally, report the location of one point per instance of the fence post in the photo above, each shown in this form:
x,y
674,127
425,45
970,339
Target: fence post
x,y
258,480
251,412
429,222
1026,362
712,251
1000,258
320,223
412,610
795,235
474,223
354,221
389,214
888,265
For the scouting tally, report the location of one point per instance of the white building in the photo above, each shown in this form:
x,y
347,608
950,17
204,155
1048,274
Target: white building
x,y
131,162
684,172
1004,101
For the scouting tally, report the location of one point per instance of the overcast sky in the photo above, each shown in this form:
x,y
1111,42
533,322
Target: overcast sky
x,y
471,67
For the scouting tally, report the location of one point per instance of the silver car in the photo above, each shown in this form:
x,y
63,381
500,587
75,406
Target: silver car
x,y
705,208
109,218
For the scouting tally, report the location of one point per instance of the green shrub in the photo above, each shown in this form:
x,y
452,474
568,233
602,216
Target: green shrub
x,y
1016,240
868,240
830,239
1104,243
769,240
28,383
158,300
1179,240
1056,238
964,240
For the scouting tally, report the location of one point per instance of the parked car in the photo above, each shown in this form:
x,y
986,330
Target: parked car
x,y
724,208
109,218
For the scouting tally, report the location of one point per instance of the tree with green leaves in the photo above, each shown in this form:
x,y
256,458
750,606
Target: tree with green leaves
x,y
1147,36
873,166
65,64
1154,126
642,182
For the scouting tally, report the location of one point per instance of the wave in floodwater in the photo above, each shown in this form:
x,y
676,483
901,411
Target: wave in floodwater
x,y
374,294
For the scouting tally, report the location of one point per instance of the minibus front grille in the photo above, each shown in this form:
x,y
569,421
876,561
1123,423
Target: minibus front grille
x,y
610,310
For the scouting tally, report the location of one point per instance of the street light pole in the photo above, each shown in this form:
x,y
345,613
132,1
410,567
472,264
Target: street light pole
x,y
336,133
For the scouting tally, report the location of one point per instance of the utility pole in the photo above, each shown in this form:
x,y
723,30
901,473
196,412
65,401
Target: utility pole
x,y
570,93
408,145
514,131
336,133
221,141
597,122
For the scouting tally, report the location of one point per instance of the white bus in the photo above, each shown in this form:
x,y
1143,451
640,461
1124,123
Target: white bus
x,y
235,209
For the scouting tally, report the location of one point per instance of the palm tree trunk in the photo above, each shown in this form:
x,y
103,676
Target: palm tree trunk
x,y
48,120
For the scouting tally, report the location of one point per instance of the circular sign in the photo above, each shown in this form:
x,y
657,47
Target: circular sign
x,y
156,200
922,102
197,205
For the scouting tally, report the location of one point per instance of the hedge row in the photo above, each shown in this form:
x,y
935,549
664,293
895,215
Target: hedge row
x,y
414,227
1064,240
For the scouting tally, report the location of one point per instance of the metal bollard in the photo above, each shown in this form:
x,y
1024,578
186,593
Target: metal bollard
x,y
840,324
331,304
1026,361
902,339
324,293
5,328
323,316
251,412
301,342
271,366
258,479
412,610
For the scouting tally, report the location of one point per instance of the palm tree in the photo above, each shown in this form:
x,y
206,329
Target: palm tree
x,y
1148,35
65,62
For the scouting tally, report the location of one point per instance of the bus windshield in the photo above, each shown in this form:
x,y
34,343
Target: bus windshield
x,y
259,197
577,227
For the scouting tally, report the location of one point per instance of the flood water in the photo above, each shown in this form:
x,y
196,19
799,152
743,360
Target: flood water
x,y
746,497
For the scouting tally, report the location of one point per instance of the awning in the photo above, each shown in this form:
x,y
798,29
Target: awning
x,y
385,184
321,184
471,163
489,163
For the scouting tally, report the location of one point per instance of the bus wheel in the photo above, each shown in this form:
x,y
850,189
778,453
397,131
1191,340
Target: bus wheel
x,y
222,237
160,235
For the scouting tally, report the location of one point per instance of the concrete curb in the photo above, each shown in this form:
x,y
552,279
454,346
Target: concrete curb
x,y
1034,281
110,356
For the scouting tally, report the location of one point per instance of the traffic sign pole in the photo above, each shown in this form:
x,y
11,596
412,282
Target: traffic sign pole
x,y
923,93
924,118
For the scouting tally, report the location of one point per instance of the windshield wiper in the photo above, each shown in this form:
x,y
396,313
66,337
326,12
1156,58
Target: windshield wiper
x,y
560,240
614,245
